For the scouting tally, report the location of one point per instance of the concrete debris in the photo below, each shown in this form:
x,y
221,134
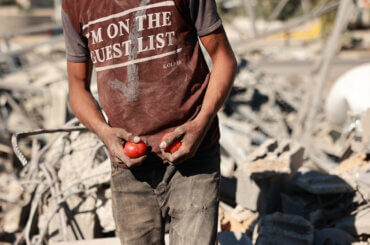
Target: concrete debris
x,y
233,238
320,183
298,204
105,215
265,177
241,214
283,164
333,236
357,224
239,224
281,228
363,183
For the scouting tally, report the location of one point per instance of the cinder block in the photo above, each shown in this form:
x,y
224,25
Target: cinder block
x,y
284,229
333,236
260,194
320,183
357,224
260,182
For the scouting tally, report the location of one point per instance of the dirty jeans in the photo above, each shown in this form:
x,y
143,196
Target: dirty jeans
x,y
186,197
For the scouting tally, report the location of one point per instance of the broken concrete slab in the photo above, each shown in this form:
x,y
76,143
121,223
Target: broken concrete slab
x,y
320,183
281,228
333,236
233,238
265,178
356,224
262,195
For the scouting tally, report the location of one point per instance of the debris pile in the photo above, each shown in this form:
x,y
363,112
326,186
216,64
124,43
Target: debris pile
x,y
288,176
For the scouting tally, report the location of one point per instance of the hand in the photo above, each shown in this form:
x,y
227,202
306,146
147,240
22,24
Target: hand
x,y
114,139
191,135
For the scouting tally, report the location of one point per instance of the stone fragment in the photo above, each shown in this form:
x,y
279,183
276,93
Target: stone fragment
x,y
11,220
281,228
267,147
356,224
260,182
241,214
332,236
363,184
229,223
233,238
105,215
320,183
262,195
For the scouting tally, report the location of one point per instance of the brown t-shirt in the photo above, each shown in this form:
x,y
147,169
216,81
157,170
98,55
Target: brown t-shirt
x,y
152,76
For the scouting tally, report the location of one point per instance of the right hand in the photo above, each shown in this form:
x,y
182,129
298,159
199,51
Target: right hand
x,y
114,139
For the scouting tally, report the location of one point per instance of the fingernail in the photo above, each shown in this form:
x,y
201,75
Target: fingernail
x,y
162,145
136,139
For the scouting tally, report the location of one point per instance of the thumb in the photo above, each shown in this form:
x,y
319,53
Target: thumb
x,y
123,134
170,139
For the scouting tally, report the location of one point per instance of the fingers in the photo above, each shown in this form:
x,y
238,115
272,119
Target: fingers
x,y
121,156
123,134
170,139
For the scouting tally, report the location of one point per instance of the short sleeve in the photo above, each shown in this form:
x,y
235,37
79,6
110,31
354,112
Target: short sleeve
x,y
204,15
76,45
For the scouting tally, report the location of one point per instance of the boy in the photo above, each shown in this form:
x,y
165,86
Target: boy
x,y
153,79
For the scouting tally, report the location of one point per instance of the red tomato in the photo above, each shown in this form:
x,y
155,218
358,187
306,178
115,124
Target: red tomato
x,y
174,147
133,150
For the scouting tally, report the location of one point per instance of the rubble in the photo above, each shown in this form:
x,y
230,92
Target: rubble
x,y
287,175
280,228
332,236
320,183
233,238
265,177
357,224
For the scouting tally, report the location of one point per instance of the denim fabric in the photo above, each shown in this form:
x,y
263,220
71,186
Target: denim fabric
x,y
186,196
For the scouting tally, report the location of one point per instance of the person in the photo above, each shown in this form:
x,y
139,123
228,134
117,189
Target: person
x,y
152,80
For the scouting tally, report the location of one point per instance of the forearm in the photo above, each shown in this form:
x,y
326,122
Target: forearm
x,y
220,83
83,104
87,110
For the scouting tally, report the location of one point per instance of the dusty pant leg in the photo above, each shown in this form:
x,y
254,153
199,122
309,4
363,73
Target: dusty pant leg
x,y
193,200
135,208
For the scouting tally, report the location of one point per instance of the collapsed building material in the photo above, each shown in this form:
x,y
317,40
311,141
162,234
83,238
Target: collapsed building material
x,y
332,236
320,183
265,178
357,224
237,220
281,228
233,238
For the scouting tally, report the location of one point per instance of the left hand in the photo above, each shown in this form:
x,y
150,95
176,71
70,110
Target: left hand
x,y
191,135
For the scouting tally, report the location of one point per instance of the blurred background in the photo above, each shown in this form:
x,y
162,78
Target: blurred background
x,y
295,131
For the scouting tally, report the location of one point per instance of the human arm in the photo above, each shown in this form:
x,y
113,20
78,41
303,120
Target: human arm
x,y
87,110
220,83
